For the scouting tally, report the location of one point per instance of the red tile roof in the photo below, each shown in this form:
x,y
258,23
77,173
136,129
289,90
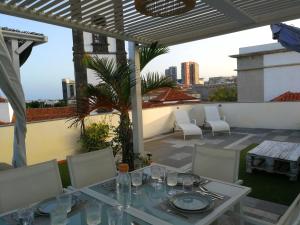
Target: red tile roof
x,y
2,100
37,114
287,97
171,94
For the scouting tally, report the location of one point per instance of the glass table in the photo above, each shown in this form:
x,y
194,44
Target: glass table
x,y
151,206
77,216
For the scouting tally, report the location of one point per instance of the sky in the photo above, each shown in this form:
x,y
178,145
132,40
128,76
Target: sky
x,y
49,63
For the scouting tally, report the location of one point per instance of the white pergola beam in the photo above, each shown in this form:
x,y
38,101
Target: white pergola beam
x,y
230,10
207,19
23,47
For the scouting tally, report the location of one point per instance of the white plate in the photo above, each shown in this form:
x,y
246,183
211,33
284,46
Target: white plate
x,y
191,201
47,206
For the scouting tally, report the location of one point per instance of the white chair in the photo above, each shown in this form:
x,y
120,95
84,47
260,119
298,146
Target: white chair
x,y
220,164
92,167
183,122
23,186
290,217
213,119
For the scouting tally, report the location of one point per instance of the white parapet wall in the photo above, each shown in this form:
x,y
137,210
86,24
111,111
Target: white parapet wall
x,y
54,140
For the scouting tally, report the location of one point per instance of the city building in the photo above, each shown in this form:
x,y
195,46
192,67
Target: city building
x,y
221,80
69,90
190,73
266,71
172,73
101,46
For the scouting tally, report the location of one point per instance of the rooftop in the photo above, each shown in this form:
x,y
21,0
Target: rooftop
x,y
3,100
287,97
170,94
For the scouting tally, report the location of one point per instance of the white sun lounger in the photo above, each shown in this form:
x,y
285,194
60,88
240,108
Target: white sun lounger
x,y
213,119
183,122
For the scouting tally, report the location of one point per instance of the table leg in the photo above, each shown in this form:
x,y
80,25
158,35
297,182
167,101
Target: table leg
x,y
270,165
249,163
239,211
293,173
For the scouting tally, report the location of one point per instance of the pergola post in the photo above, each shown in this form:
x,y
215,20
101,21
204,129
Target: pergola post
x,y
136,99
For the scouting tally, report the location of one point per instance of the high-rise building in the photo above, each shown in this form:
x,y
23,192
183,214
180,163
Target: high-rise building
x,y
172,73
69,89
190,73
103,47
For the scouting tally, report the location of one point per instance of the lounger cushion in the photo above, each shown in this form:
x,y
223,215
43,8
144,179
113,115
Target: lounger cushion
x,y
190,129
219,125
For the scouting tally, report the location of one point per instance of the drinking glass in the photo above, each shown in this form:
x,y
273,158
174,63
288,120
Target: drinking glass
x,y
155,173
162,174
188,182
65,200
26,215
115,215
136,180
172,181
58,215
93,213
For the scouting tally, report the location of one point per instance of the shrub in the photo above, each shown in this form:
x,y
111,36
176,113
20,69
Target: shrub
x,y
224,94
94,137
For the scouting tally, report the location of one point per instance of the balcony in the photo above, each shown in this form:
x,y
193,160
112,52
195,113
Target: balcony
x,y
251,124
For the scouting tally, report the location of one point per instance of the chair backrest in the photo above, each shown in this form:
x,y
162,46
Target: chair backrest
x,y
292,215
182,117
212,113
92,167
23,186
220,164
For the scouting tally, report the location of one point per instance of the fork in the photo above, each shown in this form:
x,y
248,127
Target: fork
x,y
216,195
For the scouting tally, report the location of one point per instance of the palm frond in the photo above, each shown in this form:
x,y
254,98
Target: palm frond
x,y
154,81
116,76
147,53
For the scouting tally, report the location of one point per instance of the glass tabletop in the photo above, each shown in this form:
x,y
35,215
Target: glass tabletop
x,y
152,198
78,215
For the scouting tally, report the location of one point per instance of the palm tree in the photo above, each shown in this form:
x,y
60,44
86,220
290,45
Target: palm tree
x,y
113,92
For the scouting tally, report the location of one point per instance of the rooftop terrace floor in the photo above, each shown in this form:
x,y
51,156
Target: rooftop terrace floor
x,y
172,150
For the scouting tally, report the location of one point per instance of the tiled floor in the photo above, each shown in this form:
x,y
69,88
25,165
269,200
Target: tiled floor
x,y
172,150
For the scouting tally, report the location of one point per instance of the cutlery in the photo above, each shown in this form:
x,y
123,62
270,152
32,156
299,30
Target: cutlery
x,y
204,188
168,210
216,195
176,213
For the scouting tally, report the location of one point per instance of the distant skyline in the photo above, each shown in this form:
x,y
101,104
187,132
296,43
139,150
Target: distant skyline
x,y
49,63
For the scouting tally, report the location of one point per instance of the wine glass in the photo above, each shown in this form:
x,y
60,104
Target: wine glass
x,y
155,174
136,180
188,182
172,181
93,213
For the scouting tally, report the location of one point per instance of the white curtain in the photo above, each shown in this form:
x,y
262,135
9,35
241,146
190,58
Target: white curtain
x,y
10,83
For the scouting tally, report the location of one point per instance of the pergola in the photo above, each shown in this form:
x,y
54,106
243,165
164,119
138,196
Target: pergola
x,y
121,20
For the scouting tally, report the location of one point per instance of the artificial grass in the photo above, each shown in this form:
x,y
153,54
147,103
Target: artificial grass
x,y
267,186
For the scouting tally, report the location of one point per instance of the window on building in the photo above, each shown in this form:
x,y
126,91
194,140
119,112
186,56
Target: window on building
x,y
71,91
100,44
